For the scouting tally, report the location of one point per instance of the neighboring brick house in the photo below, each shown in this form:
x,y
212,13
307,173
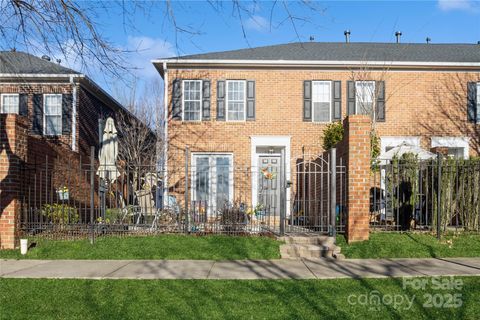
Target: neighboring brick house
x,y
63,106
50,117
237,107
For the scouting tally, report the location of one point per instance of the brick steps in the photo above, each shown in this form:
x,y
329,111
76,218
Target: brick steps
x,y
309,246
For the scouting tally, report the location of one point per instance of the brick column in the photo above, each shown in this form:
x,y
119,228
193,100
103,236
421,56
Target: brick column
x,y
355,148
13,147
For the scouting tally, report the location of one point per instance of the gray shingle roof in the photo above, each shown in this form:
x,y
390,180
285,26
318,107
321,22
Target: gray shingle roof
x,y
24,63
330,51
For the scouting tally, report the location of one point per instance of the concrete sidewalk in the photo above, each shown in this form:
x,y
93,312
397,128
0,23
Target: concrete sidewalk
x,y
238,269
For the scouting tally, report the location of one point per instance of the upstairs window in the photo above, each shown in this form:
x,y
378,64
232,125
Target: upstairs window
x,y
236,100
365,96
52,110
10,103
321,100
192,100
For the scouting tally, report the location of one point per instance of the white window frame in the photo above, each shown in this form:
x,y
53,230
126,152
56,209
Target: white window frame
x,y
9,94
453,142
45,114
477,112
330,102
357,100
244,100
212,207
183,99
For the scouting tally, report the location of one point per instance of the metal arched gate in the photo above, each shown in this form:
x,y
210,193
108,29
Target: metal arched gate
x,y
317,194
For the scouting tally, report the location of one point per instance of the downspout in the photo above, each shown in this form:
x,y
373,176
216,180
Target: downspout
x,y
165,134
74,114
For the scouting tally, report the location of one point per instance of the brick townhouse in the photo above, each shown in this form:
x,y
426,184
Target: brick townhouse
x,y
50,117
269,105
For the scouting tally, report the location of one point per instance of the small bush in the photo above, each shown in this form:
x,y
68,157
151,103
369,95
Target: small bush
x,y
332,135
60,213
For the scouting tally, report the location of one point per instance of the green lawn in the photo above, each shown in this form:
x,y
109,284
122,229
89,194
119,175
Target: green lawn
x,y
412,245
159,247
238,299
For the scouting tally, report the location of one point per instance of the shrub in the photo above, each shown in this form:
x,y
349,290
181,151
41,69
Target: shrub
x,y
60,213
332,135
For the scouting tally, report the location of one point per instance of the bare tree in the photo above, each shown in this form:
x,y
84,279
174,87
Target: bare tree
x,y
138,125
72,29
371,97
449,113
61,28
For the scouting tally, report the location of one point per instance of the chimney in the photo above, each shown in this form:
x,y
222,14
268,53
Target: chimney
x,y
398,34
347,35
45,57
428,40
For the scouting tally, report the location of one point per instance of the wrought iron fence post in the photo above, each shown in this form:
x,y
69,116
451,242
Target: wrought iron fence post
x,y
92,193
333,192
283,198
187,222
439,194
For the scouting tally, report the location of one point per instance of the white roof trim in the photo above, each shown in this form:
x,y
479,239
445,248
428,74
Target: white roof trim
x,y
317,62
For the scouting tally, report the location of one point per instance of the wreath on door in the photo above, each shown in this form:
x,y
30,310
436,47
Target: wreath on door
x,y
267,174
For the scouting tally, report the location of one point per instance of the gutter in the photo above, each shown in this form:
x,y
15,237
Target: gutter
x,y
165,133
311,63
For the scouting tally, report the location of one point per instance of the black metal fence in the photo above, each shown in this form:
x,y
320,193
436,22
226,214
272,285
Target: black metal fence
x,y
438,195
206,194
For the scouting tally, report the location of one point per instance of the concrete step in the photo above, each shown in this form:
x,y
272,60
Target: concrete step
x,y
320,240
309,246
297,251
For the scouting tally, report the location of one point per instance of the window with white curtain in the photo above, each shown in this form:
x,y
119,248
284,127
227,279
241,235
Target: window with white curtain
x,y
192,100
10,103
52,111
236,100
365,96
321,101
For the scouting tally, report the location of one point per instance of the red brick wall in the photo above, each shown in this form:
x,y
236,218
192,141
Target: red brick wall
x,y
13,140
418,103
355,150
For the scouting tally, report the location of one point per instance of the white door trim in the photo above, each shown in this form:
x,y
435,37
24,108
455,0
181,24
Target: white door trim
x,y
269,141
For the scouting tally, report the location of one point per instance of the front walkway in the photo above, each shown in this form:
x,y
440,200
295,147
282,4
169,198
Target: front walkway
x,y
238,269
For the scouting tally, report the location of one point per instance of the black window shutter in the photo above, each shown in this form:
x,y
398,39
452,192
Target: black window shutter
x,y
66,113
37,126
473,111
250,100
350,97
177,99
206,100
337,100
307,100
380,104
221,100
23,104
